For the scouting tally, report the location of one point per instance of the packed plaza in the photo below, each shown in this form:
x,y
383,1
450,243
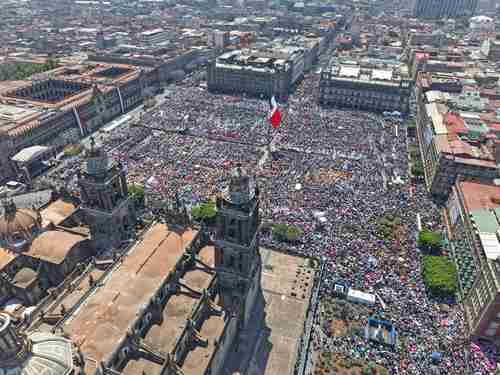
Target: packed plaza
x,y
352,166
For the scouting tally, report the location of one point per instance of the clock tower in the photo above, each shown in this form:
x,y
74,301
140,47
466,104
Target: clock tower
x,y
237,256
106,206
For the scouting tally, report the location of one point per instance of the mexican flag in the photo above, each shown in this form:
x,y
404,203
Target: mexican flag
x,y
274,117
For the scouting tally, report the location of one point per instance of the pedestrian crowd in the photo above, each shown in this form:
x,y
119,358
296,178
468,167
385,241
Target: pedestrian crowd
x,y
350,167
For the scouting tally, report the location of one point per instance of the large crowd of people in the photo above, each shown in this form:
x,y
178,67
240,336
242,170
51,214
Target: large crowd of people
x,y
349,166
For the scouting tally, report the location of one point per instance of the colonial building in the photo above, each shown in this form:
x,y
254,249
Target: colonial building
x,y
456,136
73,102
364,86
181,301
106,206
261,73
34,257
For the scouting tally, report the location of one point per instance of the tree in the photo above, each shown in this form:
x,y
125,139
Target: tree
x,y
429,241
417,168
17,71
137,194
288,233
411,124
440,276
387,226
73,150
204,212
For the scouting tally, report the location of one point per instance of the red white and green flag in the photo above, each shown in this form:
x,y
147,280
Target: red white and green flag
x,y
274,117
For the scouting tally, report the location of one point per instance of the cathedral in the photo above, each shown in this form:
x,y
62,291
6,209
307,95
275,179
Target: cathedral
x,y
178,301
39,248
36,255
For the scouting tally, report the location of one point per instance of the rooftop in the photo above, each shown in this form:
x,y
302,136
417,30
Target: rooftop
x,y
163,336
365,70
99,325
56,212
259,60
30,153
49,91
10,115
54,245
482,202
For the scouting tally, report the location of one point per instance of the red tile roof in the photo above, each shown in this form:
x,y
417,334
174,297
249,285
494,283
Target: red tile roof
x,y
455,124
479,196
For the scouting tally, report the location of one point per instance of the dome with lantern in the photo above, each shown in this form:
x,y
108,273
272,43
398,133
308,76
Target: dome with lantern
x,y
18,226
33,353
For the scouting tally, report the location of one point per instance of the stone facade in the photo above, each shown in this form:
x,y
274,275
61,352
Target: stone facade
x,y
237,256
106,206
7,170
259,73
370,95
253,82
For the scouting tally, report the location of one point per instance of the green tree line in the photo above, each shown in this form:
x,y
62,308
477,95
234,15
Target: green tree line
x,y
440,275
18,71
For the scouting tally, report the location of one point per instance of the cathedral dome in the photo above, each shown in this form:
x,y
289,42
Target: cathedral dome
x,y
18,226
35,353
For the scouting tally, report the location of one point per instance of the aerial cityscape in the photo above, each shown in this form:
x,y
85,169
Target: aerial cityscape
x,y
223,187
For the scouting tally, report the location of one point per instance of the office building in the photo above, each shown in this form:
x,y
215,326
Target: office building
x,y
473,231
445,8
154,37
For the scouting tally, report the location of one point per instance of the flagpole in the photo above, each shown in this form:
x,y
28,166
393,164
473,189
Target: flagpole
x,y
269,140
269,133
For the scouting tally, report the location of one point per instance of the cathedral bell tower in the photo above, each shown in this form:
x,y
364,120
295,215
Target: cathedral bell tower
x,y
106,206
237,256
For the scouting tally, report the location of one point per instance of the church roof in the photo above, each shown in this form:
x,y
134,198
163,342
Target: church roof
x,y
53,246
19,220
24,277
6,256
58,211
